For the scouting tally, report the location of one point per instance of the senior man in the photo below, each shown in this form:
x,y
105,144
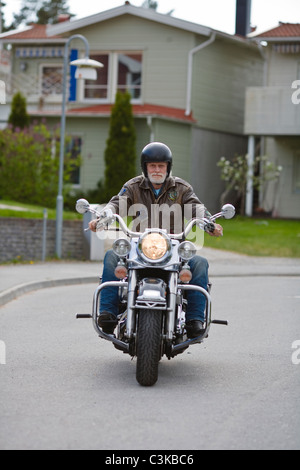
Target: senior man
x,y
156,188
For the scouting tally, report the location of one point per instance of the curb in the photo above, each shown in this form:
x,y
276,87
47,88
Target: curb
x,y
17,291
21,289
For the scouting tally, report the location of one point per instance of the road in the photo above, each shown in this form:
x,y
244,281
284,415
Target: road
x,y
63,388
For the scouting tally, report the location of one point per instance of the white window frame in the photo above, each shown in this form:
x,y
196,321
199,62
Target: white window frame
x,y
133,100
81,83
112,78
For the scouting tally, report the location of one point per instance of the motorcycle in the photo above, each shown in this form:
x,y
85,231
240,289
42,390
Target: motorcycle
x,y
154,277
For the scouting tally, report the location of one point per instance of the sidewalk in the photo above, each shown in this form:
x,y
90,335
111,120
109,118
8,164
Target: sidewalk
x,y
16,280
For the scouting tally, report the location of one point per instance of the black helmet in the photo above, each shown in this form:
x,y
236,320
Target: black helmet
x,y
156,152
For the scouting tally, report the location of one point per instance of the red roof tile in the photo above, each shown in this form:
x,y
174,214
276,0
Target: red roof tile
x,y
138,110
34,31
284,30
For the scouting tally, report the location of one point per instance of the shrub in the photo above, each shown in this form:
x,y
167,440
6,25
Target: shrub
x,y
29,163
18,118
120,152
235,173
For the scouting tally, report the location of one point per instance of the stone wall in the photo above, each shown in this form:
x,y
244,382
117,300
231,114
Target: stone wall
x,y
22,239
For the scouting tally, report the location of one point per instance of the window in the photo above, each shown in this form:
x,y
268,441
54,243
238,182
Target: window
x,y
130,74
51,80
121,72
98,89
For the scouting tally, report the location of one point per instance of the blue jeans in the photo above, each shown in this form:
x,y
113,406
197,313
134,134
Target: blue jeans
x,y
109,301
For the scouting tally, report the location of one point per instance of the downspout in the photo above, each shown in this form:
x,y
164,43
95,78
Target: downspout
x,y
251,149
265,59
264,56
149,123
249,187
190,70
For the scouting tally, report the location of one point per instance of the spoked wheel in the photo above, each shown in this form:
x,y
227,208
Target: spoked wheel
x,y
149,346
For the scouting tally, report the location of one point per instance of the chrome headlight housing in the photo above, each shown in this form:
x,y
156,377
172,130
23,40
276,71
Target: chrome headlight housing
x,y
154,246
121,247
186,250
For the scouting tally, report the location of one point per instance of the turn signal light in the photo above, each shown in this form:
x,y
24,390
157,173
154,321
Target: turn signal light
x,y
185,276
121,272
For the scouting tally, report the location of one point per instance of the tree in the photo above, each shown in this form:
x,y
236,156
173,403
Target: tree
x,y
153,5
50,11
150,4
40,11
120,152
29,162
235,173
18,117
3,28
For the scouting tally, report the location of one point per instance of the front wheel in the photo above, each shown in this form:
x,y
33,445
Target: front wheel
x,y
149,346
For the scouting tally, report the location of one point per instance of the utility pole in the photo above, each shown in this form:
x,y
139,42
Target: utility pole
x,y
1,23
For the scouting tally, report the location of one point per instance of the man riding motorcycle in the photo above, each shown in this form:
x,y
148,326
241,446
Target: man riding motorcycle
x,y
156,188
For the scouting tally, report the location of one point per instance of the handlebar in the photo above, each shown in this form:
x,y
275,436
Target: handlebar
x,y
206,224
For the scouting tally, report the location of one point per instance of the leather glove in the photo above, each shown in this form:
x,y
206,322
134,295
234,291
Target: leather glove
x,y
106,218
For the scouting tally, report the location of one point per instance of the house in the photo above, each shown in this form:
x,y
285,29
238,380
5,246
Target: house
x,y
188,84
272,114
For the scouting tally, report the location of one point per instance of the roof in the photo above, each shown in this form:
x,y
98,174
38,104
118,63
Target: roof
x,y
145,13
282,32
30,33
139,110
59,32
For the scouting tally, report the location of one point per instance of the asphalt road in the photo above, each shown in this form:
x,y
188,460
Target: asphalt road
x,y
63,388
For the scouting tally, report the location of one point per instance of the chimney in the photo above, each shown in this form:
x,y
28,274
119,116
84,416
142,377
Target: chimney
x,y
243,17
62,17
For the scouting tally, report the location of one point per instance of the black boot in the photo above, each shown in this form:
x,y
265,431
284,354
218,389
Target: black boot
x,y
194,328
108,322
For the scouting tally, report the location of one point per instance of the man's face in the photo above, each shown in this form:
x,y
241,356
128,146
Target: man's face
x,y
157,172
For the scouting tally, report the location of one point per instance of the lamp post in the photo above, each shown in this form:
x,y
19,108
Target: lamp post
x,y
86,69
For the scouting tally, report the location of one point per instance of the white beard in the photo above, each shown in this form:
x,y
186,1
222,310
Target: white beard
x,y
157,180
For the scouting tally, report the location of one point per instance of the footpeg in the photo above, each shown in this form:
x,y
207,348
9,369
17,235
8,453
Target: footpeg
x,y
220,322
83,315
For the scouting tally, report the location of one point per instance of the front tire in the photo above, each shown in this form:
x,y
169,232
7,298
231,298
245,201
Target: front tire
x,y
149,346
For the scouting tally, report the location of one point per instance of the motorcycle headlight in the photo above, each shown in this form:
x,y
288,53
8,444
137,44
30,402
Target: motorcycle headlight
x,y
121,247
154,246
187,251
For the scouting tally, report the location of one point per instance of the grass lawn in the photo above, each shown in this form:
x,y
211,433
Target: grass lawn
x,y
254,237
16,209
258,237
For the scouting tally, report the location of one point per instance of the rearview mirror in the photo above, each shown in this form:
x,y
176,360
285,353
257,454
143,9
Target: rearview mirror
x,y
228,211
82,206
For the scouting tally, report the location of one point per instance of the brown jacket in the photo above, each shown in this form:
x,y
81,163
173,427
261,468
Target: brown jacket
x,y
176,204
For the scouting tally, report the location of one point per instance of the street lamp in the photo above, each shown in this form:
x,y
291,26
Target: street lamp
x,y
86,69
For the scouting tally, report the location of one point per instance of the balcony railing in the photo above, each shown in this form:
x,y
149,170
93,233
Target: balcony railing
x,y
32,86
